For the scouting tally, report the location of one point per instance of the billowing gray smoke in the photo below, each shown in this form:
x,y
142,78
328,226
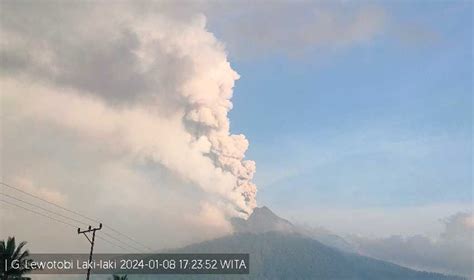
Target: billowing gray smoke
x,y
143,84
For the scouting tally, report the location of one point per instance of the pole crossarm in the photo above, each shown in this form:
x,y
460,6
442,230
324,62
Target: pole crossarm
x,y
89,229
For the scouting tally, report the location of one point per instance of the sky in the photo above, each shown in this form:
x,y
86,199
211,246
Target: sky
x,y
384,124
174,117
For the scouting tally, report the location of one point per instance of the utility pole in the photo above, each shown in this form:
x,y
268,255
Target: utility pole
x,y
93,230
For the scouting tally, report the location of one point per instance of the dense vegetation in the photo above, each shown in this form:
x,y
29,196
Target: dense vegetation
x,y
10,251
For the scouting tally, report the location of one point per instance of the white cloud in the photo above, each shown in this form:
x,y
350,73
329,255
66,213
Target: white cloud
x,y
452,252
292,28
45,193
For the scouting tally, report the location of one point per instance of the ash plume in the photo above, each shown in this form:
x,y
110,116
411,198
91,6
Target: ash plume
x,y
143,90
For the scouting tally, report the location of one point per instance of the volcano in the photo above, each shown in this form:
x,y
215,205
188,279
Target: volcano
x,y
280,250
262,220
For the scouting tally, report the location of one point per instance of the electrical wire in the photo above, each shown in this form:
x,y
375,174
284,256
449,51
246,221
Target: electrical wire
x,y
38,213
57,220
67,217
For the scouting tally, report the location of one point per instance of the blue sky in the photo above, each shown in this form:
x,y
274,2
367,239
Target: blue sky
x,y
383,124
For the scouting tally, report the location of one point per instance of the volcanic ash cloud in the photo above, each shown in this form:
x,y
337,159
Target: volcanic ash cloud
x,y
143,84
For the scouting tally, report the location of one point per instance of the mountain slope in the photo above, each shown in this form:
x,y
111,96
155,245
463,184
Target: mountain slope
x,y
264,220
276,255
280,250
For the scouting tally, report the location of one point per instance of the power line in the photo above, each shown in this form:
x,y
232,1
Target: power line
x,y
59,206
128,237
114,238
67,217
38,213
57,220
111,243
78,214
44,209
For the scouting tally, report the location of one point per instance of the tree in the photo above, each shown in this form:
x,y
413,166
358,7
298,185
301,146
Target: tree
x,y
10,252
118,277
